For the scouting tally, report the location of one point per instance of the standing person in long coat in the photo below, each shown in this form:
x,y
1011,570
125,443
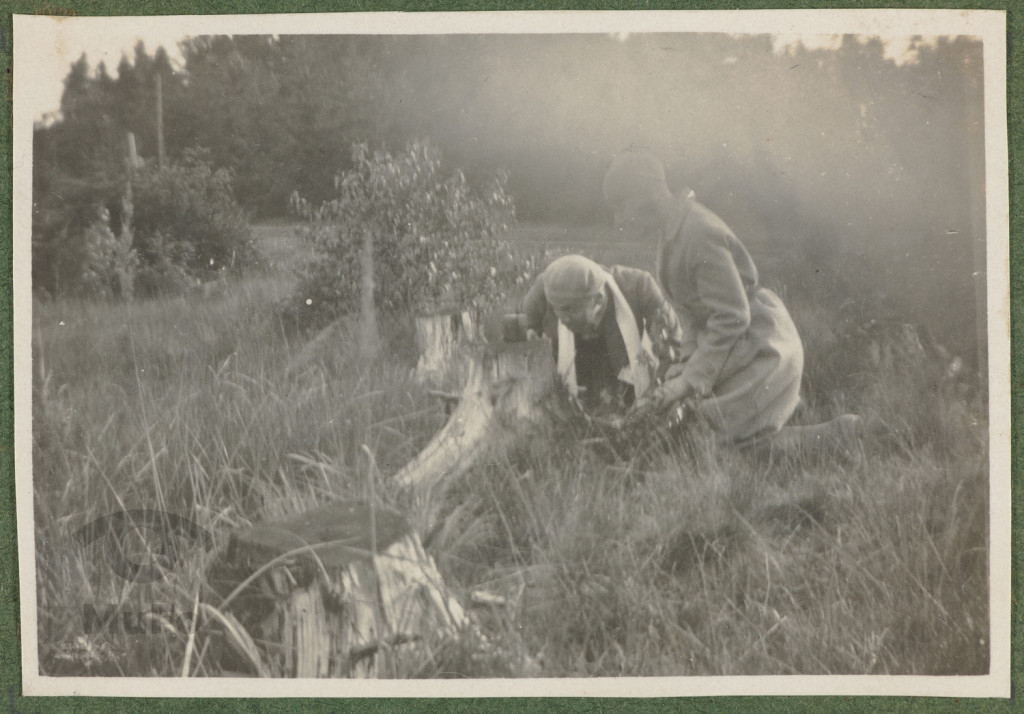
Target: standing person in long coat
x,y
742,358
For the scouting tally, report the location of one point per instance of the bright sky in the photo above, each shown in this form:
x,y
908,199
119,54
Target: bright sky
x,y
52,67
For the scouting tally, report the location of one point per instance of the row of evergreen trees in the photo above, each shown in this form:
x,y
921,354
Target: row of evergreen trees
x,y
247,122
280,112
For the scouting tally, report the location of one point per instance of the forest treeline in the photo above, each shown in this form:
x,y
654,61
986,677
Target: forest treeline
x,y
851,172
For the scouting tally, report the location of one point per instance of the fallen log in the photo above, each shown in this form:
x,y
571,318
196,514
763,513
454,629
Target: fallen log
x,y
345,590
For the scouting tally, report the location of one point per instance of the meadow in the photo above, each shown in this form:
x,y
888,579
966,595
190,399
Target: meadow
x,y
678,559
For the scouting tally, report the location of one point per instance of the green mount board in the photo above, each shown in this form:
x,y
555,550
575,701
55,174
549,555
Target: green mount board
x,y
9,627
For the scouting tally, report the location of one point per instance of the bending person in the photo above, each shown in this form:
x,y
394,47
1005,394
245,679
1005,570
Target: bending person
x,y
743,367
610,329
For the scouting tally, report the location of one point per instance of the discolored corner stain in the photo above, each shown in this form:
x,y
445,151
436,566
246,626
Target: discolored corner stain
x,y
59,13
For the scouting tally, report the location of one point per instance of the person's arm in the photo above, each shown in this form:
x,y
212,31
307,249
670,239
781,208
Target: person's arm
x,y
720,289
660,322
534,306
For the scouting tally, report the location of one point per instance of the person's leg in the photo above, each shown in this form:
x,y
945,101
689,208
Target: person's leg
x,y
837,437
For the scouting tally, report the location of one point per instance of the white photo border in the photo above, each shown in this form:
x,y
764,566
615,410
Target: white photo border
x,y
33,34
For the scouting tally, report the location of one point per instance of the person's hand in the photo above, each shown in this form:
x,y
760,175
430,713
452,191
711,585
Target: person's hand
x,y
662,397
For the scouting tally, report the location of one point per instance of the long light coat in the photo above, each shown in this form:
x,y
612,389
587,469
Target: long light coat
x,y
741,347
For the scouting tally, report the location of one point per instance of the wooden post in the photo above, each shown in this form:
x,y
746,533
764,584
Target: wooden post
x,y
369,336
125,276
159,122
321,602
133,155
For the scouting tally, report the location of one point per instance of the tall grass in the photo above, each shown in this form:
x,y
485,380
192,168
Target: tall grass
x,y
675,559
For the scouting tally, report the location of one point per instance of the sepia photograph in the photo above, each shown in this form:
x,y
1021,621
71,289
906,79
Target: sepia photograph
x,y
612,353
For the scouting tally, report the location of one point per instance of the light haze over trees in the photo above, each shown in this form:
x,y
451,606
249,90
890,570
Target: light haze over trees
x,y
852,177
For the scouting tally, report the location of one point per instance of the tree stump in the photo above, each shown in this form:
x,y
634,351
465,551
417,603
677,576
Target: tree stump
x,y
505,387
341,591
440,339
505,384
347,590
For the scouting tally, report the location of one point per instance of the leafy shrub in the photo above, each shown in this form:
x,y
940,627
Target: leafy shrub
x,y
435,238
109,261
72,233
180,226
187,224
166,271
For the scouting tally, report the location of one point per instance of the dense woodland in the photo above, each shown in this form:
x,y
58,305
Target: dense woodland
x,y
849,175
